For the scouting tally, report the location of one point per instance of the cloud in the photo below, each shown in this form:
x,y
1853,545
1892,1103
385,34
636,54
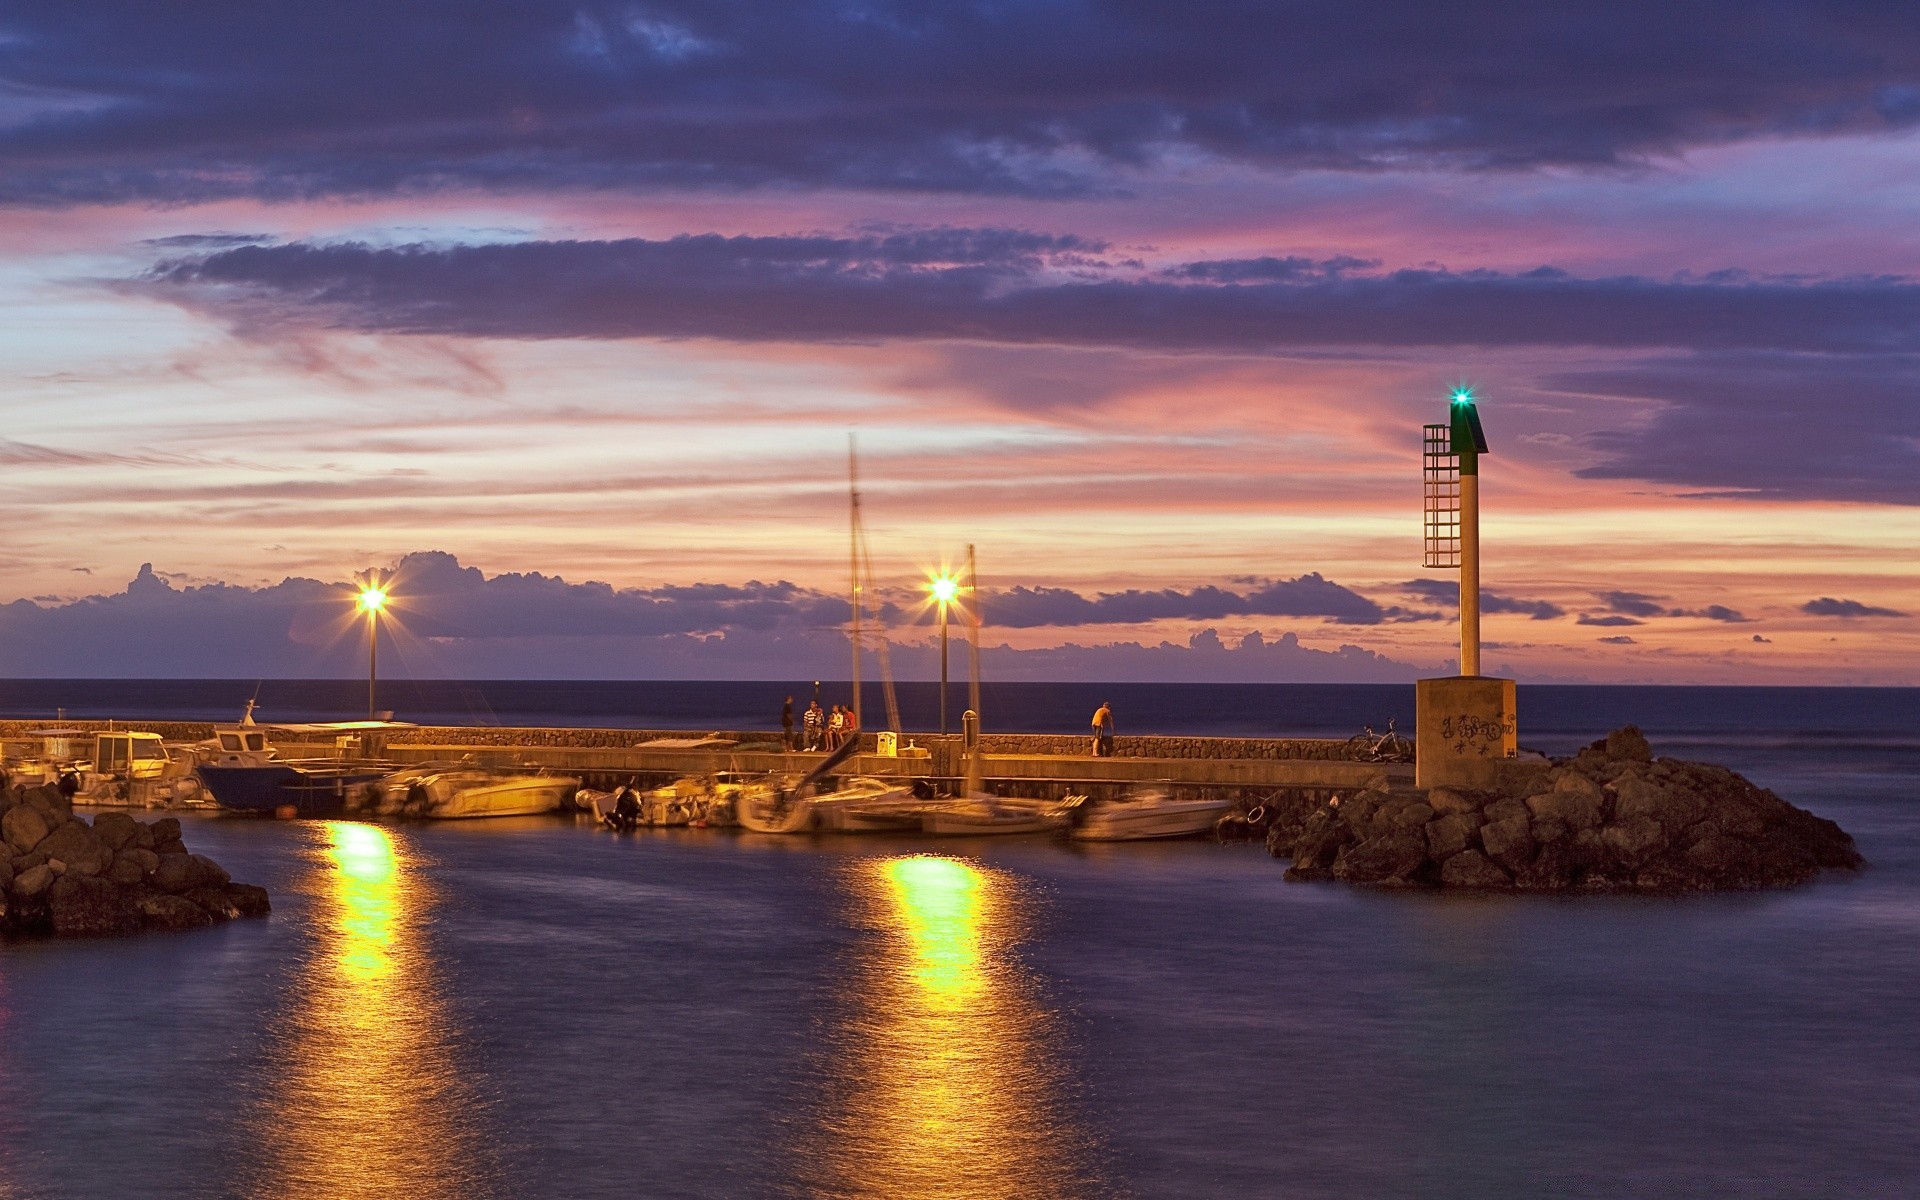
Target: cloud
x,y
449,620
1634,604
1766,425
1827,606
1619,639
123,101
1002,286
1712,612
1309,595
1590,619
1442,591
1764,641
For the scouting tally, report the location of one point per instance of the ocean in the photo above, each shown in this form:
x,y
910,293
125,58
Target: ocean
x,y
529,1007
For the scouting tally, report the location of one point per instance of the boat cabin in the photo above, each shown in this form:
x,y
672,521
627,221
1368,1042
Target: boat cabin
x,y
130,754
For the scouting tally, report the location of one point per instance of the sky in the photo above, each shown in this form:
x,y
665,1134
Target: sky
x,y
563,314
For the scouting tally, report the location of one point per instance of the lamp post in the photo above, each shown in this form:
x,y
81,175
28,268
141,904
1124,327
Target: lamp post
x,y
373,598
1468,443
944,589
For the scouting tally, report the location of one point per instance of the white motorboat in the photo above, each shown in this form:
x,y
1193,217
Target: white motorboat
x,y
695,800
459,794
978,815
858,805
1145,815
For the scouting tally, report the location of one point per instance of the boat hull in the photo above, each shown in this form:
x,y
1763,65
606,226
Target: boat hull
x,y
992,817
1146,822
275,788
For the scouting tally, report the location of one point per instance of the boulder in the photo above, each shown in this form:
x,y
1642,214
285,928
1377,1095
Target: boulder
x,y
1320,843
204,872
1576,808
1628,744
76,845
161,911
148,860
1508,842
1506,810
1553,869
166,829
1631,842
1548,830
116,829
25,827
89,906
125,871
32,881
215,902
1446,800
48,799
6,874
1472,869
1449,835
1389,858
173,873
252,901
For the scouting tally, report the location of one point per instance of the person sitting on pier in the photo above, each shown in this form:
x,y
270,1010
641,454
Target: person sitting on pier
x,y
1103,730
814,722
836,728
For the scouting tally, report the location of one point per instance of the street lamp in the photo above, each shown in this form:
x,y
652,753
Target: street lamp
x,y
944,588
373,598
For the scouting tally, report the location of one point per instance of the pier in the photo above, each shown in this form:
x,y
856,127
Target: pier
x,y
1047,765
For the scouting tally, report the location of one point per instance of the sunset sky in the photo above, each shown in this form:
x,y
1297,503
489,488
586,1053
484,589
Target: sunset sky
x,y
572,308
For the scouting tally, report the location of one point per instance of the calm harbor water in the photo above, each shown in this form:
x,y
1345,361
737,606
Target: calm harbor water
x,y
533,1008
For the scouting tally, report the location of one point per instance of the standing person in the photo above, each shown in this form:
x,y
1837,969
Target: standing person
x,y
1103,730
814,720
786,725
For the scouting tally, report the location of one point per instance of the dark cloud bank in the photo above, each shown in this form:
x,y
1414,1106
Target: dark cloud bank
x,y
460,623
1760,388
118,99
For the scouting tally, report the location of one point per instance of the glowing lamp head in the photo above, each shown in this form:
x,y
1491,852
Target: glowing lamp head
x,y
944,589
372,599
1463,395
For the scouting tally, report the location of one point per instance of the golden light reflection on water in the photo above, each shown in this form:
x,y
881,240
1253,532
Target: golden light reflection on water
x,y
370,1103
944,1081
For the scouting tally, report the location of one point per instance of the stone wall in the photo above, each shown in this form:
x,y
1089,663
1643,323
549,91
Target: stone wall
x,y
1143,746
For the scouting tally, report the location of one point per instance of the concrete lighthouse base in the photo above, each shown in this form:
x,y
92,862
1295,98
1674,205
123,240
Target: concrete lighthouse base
x,y
1465,728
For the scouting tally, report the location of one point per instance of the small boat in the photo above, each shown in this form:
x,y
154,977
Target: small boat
x,y
457,794
697,800
979,815
858,805
243,772
1146,814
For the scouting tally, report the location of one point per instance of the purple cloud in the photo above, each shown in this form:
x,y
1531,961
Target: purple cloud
x,y
186,102
1000,285
1590,619
1827,606
1619,639
1443,591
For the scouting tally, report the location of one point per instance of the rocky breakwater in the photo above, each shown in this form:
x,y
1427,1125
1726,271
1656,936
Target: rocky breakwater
x,y
62,876
1611,819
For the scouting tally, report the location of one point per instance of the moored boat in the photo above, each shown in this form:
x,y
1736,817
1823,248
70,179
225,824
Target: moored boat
x,y
459,794
243,772
980,815
1146,815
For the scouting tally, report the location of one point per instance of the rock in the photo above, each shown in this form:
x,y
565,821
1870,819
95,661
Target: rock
x,y
25,827
116,829
215,902
142,836
161,911
6,874
1446,800
1547,830
1389,858
1552,869
1728,860
252,901
173,873
1632,841
1471,869
124,871
32,881
49,800
1628,744
1506,810
148,860
1576,808
76,844
1508,842
1406,816
1449,835
205,872
89,906
166,829
1321,842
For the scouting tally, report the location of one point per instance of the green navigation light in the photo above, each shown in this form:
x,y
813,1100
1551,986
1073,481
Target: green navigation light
x,y
1463,395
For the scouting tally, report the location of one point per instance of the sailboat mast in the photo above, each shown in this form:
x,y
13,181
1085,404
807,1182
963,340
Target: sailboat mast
x,y
853,563
973,636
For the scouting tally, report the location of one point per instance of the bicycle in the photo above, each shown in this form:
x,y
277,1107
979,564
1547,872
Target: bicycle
x,y
1380,747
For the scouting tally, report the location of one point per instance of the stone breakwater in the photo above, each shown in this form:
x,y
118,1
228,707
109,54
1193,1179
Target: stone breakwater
x,y
1610,819
62,876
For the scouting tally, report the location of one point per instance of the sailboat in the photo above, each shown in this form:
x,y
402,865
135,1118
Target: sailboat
x,y
977,812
